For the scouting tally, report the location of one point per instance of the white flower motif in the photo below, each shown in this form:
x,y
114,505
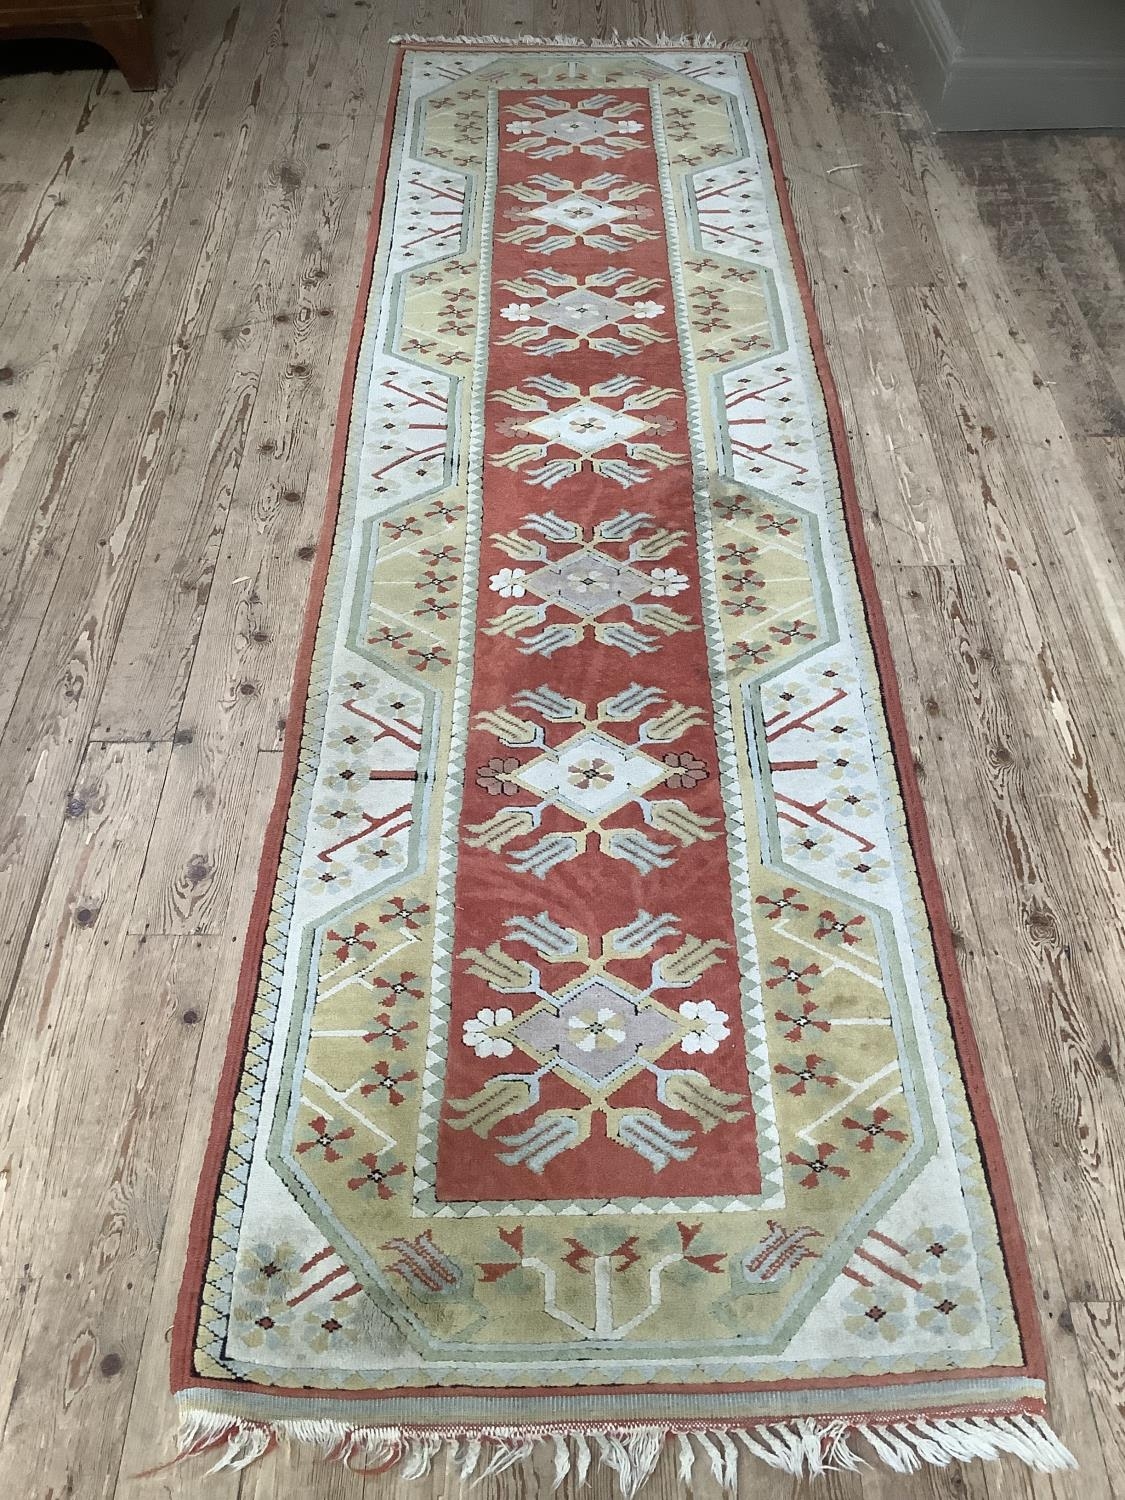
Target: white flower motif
x,y
664,582
646,309
710,1026
516,312
479,1033
596,1030
508,583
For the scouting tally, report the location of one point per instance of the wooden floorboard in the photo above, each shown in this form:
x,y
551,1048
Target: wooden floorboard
x,y
177,274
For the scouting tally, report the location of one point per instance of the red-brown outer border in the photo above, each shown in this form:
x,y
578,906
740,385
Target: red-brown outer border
x,y
1011,1239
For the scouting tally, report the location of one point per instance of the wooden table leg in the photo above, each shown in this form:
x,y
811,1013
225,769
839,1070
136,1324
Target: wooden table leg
x,y
128,40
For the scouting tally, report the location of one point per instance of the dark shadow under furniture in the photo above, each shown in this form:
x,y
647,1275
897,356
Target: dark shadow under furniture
x,y
122,27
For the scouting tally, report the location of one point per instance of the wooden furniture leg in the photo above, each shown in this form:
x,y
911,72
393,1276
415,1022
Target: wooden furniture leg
x,y
128,40
122,27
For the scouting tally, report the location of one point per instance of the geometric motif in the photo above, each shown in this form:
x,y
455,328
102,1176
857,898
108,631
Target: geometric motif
x,y
592,776
588,575
583,424
597,1033
582,310
548,127
603,213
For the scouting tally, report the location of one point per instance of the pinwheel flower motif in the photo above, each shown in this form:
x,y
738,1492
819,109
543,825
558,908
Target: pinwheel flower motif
x,y
876,1313
948,1306
940,1248
593,1030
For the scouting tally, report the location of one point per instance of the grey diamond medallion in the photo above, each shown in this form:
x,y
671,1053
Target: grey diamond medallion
x,y
575,126
581,312
587,584
598,1031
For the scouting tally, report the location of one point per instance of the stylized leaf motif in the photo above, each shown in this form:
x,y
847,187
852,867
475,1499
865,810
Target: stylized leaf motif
x,y
652,1138
639,850
550,940
524,453
631,702
554,1132
554,849
622,526
643,400
519,547
691,960
620,470
698,1097
499,970
553,472
544,700
518,617
554,527
657,544
537,342
624,636
675,817
499,1098
507,728
652,453
553,638
676,720
641,935
623,235
521,398
640,334
508,824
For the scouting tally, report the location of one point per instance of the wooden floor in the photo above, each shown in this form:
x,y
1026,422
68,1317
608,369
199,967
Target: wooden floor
x,y
177,275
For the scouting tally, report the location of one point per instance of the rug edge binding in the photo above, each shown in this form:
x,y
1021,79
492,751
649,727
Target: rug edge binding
x,y
804,1447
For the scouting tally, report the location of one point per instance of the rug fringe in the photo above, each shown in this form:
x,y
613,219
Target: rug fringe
x,y
688,41
801,1446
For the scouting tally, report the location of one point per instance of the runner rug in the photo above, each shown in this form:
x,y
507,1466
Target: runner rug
x,y
601,1077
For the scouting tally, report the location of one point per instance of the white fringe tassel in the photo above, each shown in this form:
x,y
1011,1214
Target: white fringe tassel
x,y
687,41
801,1447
